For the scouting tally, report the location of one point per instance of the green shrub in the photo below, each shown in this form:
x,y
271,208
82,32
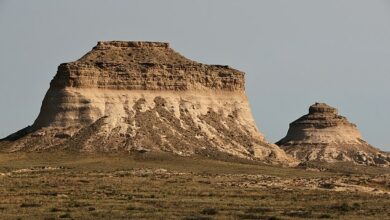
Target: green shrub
x,y
29,205
209,211
66,215
54,210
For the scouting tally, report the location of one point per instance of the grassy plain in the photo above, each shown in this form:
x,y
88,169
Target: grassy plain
x,y
159,186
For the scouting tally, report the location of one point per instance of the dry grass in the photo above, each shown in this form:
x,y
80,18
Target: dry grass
x,y
74,186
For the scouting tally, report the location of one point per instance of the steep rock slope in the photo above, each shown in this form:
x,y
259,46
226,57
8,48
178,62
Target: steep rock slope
x,y
323,135
144,96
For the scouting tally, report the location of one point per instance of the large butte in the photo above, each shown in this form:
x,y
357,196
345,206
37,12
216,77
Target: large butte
x,y
141,97
323,135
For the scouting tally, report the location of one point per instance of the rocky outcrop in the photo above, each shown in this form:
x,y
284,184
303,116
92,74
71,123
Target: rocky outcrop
x,y
323,135
144,96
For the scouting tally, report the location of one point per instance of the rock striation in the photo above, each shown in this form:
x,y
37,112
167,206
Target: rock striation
x,y
144,96
323,135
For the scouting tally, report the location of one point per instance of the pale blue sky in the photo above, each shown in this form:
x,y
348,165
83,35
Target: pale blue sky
x,y
294,52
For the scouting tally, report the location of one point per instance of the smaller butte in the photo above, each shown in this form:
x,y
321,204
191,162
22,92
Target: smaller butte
x,y
324,135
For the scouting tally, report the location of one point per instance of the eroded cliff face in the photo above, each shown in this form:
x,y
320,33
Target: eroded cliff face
x,y
144,96
323,135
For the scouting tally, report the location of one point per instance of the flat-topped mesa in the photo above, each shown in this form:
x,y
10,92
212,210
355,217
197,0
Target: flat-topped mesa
x,y
323,135
144,96
144,66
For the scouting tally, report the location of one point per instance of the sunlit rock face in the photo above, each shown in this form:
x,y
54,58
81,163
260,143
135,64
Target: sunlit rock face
x,y
324,135
144,96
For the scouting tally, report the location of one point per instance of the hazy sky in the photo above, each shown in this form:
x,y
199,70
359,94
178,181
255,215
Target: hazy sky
x,y
294,53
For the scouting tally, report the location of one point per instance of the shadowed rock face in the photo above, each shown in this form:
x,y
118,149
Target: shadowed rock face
x,y
144,96
323,135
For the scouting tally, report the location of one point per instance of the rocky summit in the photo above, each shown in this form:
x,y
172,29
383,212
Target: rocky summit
x,y
144,96
323,135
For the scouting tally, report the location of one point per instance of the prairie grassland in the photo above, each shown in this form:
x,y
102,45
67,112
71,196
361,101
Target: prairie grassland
x,y
159,186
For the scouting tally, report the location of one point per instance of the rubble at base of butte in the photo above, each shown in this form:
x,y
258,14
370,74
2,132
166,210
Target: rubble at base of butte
x,y
141,97
323,135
